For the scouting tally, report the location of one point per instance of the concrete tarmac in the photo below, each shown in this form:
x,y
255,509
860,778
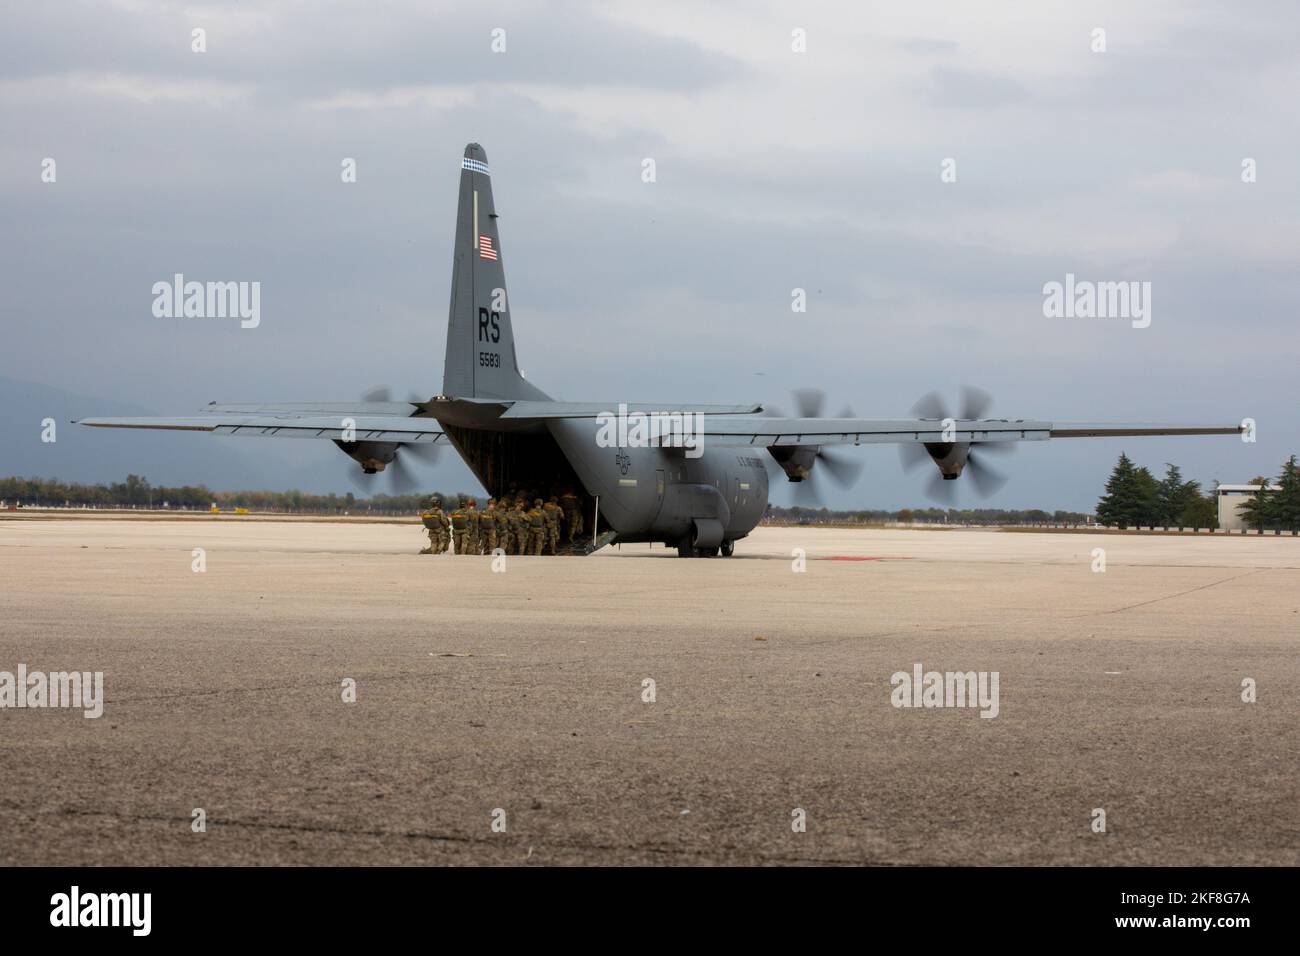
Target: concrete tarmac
x,y
524,691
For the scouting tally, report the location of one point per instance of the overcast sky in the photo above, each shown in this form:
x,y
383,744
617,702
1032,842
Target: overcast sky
x,y
775,170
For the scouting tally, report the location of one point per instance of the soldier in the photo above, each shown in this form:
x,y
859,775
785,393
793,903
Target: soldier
x,y
502,525
487,526
473,538
435,523
518,528
459,527
536,527
572,513
551,513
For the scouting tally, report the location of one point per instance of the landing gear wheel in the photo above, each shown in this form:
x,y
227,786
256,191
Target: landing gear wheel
x,y
686,550
728,548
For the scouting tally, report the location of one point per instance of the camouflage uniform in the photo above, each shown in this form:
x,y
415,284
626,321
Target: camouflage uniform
x,y
459,529
473,542
436,524
536,527
572,514
551,513
487,526
502,523
518,528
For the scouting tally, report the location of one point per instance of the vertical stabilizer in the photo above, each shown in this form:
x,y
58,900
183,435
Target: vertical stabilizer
x,y
480,360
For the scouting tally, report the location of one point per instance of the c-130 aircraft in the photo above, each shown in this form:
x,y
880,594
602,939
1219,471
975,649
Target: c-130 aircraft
x,y
699,488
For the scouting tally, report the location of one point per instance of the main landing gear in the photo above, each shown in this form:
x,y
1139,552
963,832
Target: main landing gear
x,y
688,549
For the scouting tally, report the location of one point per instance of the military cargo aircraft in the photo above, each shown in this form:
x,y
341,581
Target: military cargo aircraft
x,y
694,477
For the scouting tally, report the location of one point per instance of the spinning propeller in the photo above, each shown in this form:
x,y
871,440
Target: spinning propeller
x,y
797,461
387,458
954,458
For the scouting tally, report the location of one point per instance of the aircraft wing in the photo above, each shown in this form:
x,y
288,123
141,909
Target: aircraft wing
x,y
767,432
369,421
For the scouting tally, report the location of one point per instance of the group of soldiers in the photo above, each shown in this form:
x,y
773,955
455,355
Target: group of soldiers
x,y
508,524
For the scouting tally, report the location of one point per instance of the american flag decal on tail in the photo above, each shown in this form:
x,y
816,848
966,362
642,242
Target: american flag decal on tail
x,y
485,250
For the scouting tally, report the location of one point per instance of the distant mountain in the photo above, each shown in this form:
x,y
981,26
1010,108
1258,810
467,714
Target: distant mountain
x,y
223,463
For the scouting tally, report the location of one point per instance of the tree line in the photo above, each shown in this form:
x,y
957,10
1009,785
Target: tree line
x,y
962,516
137,492
1133,497
1136,498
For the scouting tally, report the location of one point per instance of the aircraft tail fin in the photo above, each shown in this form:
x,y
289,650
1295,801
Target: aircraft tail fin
x,y
480,360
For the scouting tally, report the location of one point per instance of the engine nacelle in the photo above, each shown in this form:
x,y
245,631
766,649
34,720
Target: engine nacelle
x,y
795,460
950,457
373,456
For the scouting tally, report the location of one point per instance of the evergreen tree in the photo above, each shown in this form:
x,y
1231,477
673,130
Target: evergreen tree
x,y
1147,498
1202,512
1286,500
1117,505
1132,498
1176,496
1257,511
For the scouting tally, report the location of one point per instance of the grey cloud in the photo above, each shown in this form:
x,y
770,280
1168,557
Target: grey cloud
x,y
971,89
305,50
926,46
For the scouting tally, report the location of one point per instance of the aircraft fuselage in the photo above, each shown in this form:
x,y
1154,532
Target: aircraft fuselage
x,y
663,494
643,493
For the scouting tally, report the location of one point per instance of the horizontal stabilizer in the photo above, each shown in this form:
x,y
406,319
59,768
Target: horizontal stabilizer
x,y
596,409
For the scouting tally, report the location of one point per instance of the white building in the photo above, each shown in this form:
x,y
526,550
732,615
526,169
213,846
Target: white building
x,y
1231,497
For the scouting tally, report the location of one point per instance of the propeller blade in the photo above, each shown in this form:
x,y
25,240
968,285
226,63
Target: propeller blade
x,y
382,393
987,481
930,406
937,489
428,452
810,402
402,481
975,402
912,454
842,469
361,480
805,493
